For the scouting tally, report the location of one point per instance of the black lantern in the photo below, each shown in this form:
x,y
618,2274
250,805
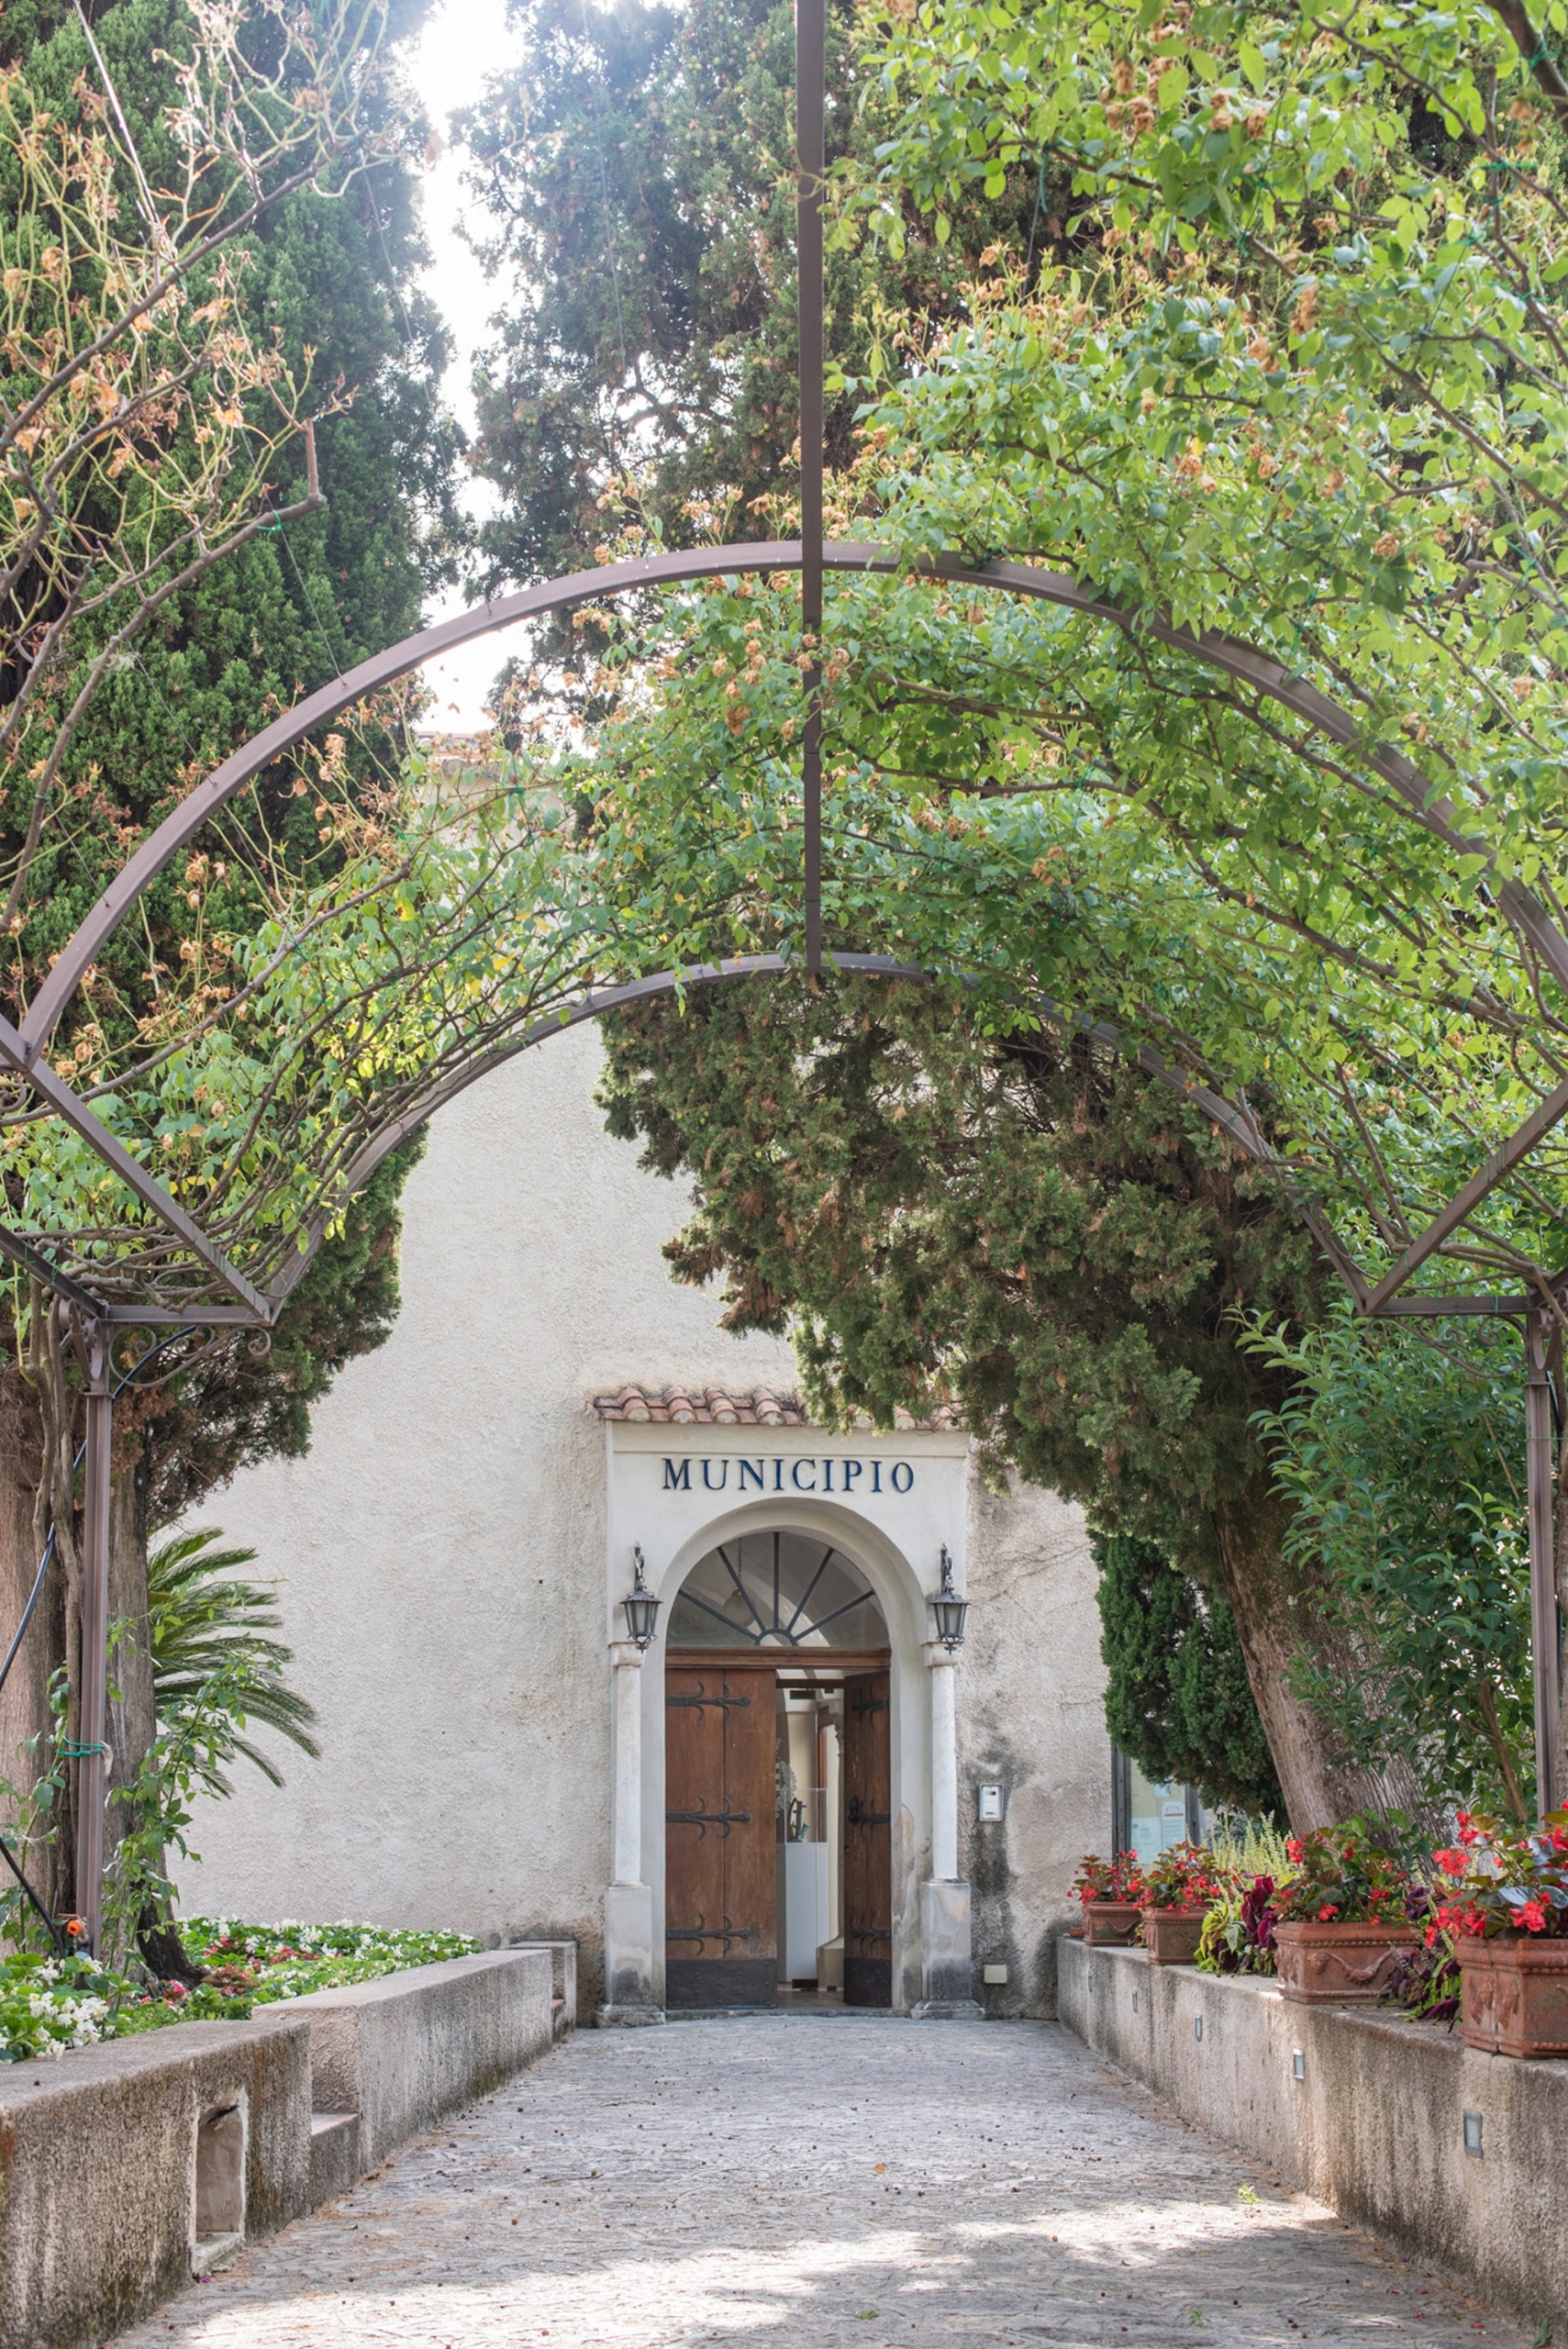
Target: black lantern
x,y
642,1608
950,1610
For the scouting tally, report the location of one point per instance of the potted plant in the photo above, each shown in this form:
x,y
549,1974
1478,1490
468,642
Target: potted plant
x,y
1238,1934
1502,1893
1182,1885
1111,1895
1342,1919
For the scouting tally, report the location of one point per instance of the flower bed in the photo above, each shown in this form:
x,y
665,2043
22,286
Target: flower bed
x,y
49,2005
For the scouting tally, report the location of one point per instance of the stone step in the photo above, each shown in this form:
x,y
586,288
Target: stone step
x,y
334,2156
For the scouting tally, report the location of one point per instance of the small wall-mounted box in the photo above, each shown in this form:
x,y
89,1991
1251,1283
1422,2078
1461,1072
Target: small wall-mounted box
x,y
992,1973
992,1806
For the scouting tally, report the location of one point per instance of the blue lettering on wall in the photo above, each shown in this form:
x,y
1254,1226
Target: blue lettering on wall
x,y
752,1475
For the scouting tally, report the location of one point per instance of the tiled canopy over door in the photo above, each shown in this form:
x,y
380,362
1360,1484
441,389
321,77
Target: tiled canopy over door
x,y
720,1864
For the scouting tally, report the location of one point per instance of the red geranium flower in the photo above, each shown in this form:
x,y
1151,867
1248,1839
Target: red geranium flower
x,y
1532,1917
1294,1852
1327,1910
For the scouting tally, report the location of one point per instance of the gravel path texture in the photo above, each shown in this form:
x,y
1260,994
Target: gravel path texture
x,y
819,2183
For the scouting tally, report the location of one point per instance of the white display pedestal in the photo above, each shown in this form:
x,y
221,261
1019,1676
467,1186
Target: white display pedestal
x,y
803,1917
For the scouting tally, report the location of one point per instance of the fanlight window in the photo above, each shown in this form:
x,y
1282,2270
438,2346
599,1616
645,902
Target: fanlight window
x,y
781,1590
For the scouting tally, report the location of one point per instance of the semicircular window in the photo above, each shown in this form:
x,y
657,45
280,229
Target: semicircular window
x,y
783,1590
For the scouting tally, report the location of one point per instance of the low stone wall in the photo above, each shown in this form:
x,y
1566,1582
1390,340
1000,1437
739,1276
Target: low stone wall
x,y
124,2166
401,2051
564,1975
1364,2111
98,2169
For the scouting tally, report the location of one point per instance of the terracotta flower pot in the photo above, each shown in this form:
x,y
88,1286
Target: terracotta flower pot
x,y
1332,1964
1110,1924
1516,1994
1170,1935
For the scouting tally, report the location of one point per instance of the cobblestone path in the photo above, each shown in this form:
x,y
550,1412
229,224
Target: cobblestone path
x,y
812,2183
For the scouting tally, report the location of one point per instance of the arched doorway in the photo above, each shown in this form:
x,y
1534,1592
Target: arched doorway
x,y
778,1804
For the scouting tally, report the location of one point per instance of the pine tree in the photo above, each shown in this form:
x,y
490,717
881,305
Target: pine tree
x,y
1034,1230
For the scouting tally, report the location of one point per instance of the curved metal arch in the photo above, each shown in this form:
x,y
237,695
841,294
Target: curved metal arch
x,y
1211,647
24,1048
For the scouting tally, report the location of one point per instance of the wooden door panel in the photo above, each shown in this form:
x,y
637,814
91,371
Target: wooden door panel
x,y
694,1777
719,1861
868,1841
750,1784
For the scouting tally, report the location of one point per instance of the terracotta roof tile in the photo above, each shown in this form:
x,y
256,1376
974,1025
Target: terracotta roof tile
x,y
758,1406
703,1407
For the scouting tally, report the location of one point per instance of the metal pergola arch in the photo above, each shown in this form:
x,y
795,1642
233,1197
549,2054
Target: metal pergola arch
x,y
23,1047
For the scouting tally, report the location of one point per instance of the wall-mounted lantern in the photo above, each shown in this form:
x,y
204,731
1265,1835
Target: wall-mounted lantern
x,y
641,1608
950,1611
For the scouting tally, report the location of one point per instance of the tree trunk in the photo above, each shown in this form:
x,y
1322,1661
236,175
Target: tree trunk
x,y
132,1724
1279,1611
1559,1793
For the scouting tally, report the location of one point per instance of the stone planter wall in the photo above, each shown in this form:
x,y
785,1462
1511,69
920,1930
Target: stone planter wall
x,y
1355,2106
117,2162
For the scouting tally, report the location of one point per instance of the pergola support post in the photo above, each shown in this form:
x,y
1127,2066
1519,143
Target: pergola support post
x,y
93,1341
810,70
1539,1329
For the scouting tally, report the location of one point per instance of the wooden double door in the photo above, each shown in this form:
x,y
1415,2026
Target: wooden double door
x,y
721,1835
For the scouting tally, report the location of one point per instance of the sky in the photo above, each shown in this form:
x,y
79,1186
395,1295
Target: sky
x,y
463,42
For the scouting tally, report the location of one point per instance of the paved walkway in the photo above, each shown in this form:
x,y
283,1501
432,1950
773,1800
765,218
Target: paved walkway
x,y
805,2182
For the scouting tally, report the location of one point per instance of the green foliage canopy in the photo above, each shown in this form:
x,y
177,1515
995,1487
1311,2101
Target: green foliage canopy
x,y
1430,1569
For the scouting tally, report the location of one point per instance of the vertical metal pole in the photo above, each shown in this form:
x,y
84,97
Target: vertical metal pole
x,y
92,1782
810,74
1538,1328
1121,1800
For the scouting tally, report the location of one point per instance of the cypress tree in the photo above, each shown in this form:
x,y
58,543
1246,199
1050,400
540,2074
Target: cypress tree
x,y
1177,1697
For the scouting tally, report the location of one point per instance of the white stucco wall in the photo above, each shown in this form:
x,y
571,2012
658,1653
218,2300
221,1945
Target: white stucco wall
x,y
443,1551
1030,1720
441,1545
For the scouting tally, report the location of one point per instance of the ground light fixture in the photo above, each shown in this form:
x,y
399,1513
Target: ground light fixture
x,y
950,1611
641,1608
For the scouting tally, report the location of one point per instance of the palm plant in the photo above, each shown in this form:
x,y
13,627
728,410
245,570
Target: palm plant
x,y
214,1667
